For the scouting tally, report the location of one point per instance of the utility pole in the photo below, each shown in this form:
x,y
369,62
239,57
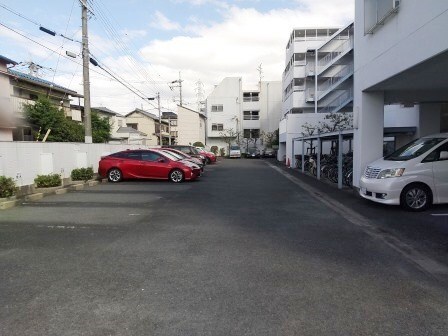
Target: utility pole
x,y
85,74
179,81
260,73
160,118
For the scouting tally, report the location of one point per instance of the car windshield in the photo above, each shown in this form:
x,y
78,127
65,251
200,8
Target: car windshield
x,y
234,148
179,157
252,150
181,154
169,155
413,149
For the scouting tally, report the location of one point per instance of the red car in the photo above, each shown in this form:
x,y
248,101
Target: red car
x,y
209,156
146,164
184,156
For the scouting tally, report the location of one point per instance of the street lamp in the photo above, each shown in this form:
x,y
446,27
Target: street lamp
x,y
160,116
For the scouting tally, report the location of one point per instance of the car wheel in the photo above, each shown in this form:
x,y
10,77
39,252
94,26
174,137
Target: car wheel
x,y
208,160
114,175
176,176
416,197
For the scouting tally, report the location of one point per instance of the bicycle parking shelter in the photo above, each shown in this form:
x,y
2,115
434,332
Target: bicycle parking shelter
x,y
338,136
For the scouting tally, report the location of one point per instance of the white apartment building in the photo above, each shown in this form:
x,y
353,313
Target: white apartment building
x,y
317,80
401,57
248,113
190,127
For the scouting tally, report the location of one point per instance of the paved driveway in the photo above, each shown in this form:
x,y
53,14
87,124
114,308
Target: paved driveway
x,y
242,251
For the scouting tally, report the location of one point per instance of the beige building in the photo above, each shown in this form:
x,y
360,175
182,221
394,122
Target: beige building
x,y
190,127
6,116
148,124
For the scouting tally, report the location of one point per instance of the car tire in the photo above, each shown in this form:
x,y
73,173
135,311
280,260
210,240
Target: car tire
x,y
176,176
114,175
208,160
416,197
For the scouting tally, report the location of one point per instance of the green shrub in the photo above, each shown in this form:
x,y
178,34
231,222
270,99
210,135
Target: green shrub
x,y
198,144
48,181
82,174
222,151
214,150
7,187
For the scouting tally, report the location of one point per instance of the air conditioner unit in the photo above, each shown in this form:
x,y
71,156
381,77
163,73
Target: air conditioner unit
x,y
395,4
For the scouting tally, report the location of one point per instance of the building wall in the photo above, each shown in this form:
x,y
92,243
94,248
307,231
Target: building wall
x,y
190,126
5,105
145,125
414,34
229,94
23,161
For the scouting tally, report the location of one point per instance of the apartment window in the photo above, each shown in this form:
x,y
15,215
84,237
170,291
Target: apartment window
x,y
218,108
251,133
217,127
134,126
377,11
251,115
299,84
251,96
299,59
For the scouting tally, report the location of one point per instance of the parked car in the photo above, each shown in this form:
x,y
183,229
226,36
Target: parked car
x,y
235,151
414,176
189,150
269,153
184,156
253,153
146,164
209,156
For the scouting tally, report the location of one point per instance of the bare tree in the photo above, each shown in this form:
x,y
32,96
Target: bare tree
x,y
230,136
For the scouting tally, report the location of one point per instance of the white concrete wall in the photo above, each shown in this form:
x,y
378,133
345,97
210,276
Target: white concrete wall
x,y
23,161
417,32
190,126
270,105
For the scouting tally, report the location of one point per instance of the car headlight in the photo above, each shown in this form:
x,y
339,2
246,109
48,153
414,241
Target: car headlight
x,y
387,173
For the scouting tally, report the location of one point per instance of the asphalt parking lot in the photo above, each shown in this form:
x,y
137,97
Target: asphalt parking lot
x,y
248,249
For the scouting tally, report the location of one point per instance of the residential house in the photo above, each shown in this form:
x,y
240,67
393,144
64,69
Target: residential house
x,y
401,57
116,120
172,120
148,124
6,112
246,114
191,126
25,89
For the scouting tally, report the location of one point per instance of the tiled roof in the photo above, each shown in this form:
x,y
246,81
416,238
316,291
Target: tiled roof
x,y
42,82
129,130
104,110
7,60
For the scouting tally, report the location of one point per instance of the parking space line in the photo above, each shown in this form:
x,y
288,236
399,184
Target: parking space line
x,y
423,262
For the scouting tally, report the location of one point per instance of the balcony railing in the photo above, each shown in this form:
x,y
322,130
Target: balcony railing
x,y
339,102
336,79
333,55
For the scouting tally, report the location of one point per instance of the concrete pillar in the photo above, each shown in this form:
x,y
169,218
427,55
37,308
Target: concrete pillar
x,y
369,129
429,119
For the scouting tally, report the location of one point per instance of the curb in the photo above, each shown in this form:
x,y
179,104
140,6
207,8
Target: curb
x,y
11,202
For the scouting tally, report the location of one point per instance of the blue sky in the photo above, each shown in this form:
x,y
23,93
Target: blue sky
x,y
147,43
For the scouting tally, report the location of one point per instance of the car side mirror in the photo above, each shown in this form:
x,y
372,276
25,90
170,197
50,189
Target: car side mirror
x,y
443,155
161,160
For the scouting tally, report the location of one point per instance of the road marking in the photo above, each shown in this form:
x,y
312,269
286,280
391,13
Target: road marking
x,y
132,214
425,263
439,214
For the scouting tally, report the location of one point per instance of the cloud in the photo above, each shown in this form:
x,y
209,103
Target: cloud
x,y
160,21
245,39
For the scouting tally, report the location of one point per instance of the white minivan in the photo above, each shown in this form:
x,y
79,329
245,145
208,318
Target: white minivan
x,y
414,176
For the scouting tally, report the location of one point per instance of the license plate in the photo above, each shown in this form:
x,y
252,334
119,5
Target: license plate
x,y
364,190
